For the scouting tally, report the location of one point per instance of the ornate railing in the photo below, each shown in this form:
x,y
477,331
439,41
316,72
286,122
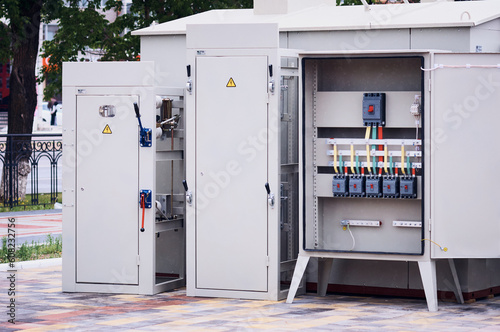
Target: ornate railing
x,y
21,155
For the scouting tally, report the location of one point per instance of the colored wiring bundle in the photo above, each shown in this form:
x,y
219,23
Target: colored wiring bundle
x,y
385,165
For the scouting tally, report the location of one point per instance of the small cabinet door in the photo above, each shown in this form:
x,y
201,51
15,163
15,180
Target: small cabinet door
x,y
107,190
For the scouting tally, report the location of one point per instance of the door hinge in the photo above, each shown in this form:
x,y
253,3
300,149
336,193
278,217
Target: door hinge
x,y
138,260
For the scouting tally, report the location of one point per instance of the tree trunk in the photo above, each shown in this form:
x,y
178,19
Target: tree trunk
x,y
23,96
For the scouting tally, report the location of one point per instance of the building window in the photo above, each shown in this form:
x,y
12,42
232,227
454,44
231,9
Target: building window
x,y
49,31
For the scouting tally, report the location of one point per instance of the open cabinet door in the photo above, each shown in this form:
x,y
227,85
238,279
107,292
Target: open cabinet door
x,y
465,158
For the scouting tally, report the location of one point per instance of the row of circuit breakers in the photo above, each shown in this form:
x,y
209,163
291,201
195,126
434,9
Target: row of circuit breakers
x,y
388,185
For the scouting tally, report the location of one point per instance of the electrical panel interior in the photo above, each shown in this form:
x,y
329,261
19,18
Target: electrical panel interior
x,y
363,154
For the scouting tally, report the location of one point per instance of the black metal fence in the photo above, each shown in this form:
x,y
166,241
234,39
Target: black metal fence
x,y
21,156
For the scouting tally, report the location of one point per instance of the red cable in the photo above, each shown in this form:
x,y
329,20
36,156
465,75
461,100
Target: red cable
x,y
143,205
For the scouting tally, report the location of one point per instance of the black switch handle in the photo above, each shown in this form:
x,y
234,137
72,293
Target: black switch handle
x,y
138,115
185,184
271,70
268,189
188,68
136,108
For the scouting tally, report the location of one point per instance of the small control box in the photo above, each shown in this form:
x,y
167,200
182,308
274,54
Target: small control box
x,y
408,187
357,186
340,186
374,109
390,186
373,186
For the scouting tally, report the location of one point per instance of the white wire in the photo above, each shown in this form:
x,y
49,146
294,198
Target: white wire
x,y
352,236
468,66
416,125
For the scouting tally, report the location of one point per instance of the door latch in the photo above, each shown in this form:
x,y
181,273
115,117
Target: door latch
x,y
271,80
189,83
270,195
189,194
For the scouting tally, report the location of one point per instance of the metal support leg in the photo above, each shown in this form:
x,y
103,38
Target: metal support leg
x,y
300,268
458,289
428,275
324,270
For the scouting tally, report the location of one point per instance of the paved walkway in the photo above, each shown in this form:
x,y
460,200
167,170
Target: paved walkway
x,y
41,306
32,225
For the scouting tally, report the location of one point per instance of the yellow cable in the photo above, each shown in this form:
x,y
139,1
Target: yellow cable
x,y
335,158
403,159
385,159
442,248
367,135
352,159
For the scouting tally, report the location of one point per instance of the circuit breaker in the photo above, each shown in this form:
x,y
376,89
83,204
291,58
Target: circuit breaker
x,y
390,187
340,186
408,187
374,109
373,186
357,186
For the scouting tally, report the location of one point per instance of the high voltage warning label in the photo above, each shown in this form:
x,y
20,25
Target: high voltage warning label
x,y
107,130
231,83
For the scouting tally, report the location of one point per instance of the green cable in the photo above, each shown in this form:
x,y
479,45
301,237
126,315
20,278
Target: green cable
x,y
357,164
390,165
408,164
341,164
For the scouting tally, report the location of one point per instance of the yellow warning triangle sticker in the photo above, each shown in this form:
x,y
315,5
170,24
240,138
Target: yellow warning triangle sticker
x,y
107,130
231,83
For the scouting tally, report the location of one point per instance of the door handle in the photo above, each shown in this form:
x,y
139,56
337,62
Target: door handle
x,y
270,195
189,194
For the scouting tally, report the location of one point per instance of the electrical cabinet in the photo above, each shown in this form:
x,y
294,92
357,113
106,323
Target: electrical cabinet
x,y
242,162
385,137
358,131
123,211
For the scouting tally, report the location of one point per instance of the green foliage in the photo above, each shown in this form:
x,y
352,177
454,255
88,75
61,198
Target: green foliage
x,y
51,248
84,31
44,202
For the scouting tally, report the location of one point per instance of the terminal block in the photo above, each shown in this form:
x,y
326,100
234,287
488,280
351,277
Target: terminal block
x,y
373,186
357,186
390,186
374,109
408,187
340,186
